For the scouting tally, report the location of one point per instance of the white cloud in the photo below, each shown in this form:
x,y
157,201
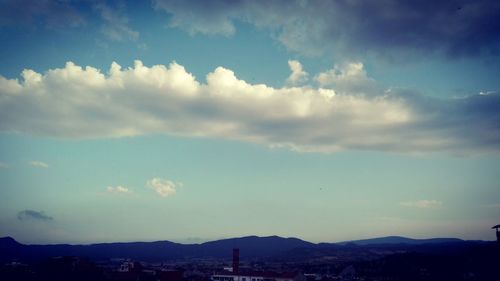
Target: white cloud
x,y
348,78
39,164
118,190
298,74
352,71
423,204
163,187
83,102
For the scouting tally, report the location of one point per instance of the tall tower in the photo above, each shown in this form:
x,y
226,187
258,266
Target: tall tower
x,y
496,227
236,260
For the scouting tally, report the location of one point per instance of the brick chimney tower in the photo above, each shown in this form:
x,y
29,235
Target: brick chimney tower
x,y
236,260
496,227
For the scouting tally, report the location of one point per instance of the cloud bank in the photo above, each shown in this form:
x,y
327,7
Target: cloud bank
x,y
77,102
35,215
352,27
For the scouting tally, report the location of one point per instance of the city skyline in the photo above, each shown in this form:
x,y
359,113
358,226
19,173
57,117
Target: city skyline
x,y
200,120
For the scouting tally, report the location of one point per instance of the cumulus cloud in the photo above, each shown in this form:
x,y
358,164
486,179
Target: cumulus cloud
x,y
352,27
163,187
422,204
350,78
118,190
83,102
115,25
39,164
298,74
33,215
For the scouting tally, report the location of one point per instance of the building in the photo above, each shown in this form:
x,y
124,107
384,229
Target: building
x,y
257,276
237,274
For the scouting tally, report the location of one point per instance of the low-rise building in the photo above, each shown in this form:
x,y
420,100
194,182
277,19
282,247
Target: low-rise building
x,y
258,276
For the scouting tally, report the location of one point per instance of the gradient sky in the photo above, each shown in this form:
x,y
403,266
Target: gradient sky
x,y
197,120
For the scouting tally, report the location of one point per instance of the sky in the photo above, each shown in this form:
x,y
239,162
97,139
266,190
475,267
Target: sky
x,y
192,121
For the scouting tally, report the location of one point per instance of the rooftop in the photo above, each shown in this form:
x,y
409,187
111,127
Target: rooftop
x,y
265,274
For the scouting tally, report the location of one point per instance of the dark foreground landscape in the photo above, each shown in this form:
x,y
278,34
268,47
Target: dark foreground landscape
x,y
255,259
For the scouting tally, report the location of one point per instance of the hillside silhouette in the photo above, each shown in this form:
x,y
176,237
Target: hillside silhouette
x,y
251,247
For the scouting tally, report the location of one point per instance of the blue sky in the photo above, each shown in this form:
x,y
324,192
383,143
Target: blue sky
x,y
198,120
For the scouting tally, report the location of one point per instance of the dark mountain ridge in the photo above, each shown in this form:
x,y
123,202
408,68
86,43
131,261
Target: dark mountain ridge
x,y
401,240
250,247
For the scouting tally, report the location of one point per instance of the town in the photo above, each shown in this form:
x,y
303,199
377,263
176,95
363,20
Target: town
x,y
477,262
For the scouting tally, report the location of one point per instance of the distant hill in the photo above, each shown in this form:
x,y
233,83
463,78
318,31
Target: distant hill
x,y
250,247
400,240
9,246
11,249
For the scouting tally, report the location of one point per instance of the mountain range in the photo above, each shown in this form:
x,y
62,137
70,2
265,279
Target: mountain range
x,y
401,240
250,247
